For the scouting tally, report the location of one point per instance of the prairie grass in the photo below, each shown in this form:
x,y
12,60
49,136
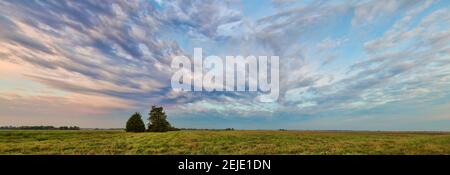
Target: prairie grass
x,y
223,142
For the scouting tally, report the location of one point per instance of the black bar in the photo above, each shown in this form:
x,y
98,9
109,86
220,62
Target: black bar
x,y
170,164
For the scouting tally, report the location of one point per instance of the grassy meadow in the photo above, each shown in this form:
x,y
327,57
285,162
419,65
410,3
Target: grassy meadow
x,y
222,142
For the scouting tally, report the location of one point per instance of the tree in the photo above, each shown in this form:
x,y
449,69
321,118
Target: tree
x,y
158,120
135,123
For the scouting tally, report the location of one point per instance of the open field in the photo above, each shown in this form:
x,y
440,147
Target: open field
x,y
222,142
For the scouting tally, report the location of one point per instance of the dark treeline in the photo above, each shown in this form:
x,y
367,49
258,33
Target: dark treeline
x,y
39,128
201,129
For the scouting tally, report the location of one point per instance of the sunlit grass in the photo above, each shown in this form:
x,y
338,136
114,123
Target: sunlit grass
x,y
222,142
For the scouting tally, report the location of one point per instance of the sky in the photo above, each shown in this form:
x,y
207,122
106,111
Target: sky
x,y
344,65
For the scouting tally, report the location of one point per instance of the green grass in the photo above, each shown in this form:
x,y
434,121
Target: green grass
x,y
222,142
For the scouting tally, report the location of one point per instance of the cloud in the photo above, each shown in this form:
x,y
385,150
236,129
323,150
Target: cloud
x,y
200,19
87,47
405,65
367,12
329,43
117,56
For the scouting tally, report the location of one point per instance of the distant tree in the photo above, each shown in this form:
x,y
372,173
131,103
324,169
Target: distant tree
x,y
158,120
39,128
135,123
74,128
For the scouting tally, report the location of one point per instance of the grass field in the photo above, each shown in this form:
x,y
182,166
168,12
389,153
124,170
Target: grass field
x,y
222,142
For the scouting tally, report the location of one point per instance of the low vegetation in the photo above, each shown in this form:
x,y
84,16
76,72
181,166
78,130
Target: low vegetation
x,y
222,142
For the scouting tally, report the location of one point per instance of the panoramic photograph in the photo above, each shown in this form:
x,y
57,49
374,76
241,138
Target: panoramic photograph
x,y
225,77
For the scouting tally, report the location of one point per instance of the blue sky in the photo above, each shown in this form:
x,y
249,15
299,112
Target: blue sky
x,y
362,65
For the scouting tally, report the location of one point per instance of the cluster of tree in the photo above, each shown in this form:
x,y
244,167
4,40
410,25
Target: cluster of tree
x,y
157,122
69,128
40,128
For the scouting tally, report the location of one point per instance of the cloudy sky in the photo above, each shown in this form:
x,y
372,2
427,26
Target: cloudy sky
x,y
363,65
